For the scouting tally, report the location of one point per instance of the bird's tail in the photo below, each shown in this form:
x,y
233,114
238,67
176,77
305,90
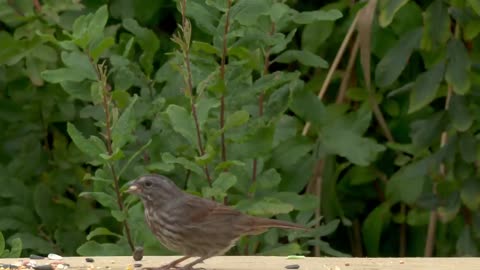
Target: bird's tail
x,y
262,224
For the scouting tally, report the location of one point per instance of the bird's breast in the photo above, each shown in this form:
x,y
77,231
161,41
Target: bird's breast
x,y
163,228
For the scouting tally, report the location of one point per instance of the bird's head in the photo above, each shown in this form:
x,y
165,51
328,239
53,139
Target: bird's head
x,y
154,188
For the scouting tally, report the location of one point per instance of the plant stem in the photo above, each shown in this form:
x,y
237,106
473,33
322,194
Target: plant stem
x,y
186,55
432,223
222,77
102,78
266,66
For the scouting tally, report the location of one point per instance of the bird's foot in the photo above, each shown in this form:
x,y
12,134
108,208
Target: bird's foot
x,y
164,267
172,267
186,267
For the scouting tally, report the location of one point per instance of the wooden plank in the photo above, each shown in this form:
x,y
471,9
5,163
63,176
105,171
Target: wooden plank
x,y
271,263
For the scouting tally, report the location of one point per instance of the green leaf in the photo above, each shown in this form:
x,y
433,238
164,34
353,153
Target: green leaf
x,y
207,157
278,11
459,113
268,180
205,18
343,137
404,187
290,151
278,102
187,164
407,183
436,26
160,166
475,4
306,105
204,105
99,48
30,241
147,39
2,244
305,57
256,143
308,17
103,198
283,250
426,131
246,12
470,194
101,231
236,119
98,22
466,244
220,186
123,128
15,248
373,226
80,64
467,147
78,68
228,164
312,39
89,27
182,122
205,47
395,60
388,8
92,248
92,147
426,87
61,75
359,175
458,67
134,156
418,217
303,202
120,216
265,207
326,248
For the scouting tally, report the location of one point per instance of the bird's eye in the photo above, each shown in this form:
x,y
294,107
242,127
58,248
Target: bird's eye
x,y
148,183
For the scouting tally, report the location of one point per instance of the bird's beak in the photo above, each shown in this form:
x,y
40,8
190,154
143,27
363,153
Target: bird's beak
x,y
133,188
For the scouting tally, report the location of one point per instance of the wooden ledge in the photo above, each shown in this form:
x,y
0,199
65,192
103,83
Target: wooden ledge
x,y
267,263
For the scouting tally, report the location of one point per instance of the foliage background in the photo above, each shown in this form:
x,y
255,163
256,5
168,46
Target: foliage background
x,y
96,93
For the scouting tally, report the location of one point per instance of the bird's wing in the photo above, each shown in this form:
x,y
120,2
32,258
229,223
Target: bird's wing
x,y
203,212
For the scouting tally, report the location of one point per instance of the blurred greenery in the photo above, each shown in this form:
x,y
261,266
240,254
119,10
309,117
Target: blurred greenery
x,y
221,96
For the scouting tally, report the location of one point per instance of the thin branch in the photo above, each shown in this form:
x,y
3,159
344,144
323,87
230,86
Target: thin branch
x,y
37,5
432,223
315,187
222,76
403,231
266,66
348,72
186,28
334,66
102,76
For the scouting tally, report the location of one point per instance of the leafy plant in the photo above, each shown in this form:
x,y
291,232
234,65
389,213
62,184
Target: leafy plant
x,y
357,119
15,250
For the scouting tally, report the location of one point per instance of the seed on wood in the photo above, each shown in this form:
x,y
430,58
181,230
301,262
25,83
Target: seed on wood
x,y
292,266
43,267
138,253
8,266
36,257
53,256
90,260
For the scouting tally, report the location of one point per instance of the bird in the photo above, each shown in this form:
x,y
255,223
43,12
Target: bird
x,y
194,226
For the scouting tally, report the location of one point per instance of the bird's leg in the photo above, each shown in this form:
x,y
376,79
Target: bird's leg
x,y
169,265
189,266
